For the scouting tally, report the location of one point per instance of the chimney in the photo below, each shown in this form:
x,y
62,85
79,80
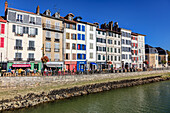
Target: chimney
x,y
111,25
38,10
6,6
116,26
97,24
103,26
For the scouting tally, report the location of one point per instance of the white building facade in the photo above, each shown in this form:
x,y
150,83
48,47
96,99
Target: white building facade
x,y
24,39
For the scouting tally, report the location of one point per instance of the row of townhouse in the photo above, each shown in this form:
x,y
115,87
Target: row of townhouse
x,y
68,42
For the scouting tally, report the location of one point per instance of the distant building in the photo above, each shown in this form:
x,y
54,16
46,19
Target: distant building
x,y
3,43
151,55
163,57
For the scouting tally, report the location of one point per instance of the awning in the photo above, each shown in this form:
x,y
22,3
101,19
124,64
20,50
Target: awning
x,y
93,63
54,64
21,65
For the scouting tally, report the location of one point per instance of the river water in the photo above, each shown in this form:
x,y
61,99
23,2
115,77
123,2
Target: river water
x,y
149,98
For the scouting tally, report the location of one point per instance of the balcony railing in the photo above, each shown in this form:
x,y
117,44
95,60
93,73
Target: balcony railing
x,y
31,59
56,50
48,49
17,59
57,40
31,35
48,39
53,27
31,48
18,47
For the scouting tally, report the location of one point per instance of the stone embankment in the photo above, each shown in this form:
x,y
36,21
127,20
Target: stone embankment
x,y
32,99
15,82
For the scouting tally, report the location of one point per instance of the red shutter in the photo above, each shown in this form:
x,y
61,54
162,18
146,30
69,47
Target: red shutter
x,y
137,58
2,28
1,42
78,46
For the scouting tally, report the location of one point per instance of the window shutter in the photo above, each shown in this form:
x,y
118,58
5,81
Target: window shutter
x,y
84,56
36,31
84,47
3,28
2,42
14,27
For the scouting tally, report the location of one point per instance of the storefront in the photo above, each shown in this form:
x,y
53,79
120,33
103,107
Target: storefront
x,y
81,65
93,66
55,65
24,65
101,65
71,65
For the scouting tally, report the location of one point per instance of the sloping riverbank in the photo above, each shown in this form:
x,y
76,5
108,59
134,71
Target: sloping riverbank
x,y
77,89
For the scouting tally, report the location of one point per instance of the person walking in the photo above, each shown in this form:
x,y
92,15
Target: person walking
x,y
19,72
35,71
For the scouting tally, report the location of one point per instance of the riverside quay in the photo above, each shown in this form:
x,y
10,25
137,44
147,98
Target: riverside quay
x,y
35,42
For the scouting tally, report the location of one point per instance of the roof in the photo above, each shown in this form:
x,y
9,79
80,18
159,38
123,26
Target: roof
x,y
22,11
161,51
98,29
148,46
2,19
135,34
52,17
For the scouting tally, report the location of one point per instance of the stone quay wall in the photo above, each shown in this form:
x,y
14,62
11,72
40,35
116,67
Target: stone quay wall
x,y
26,81
32,99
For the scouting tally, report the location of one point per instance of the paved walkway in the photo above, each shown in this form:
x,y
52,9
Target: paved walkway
x,y
45,80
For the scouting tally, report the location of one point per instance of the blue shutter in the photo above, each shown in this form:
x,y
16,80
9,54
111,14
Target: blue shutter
x,y
77,56
83,28
80,56
79,27
84,56
84,47
79,36
83,37
80,46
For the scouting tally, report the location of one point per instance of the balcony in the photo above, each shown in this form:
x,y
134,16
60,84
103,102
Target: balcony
x,y
18,34
31,35
48,49
53,27
18,48
17,59
19,20
31,59
48,38
57,40
32,22
31,48
56,50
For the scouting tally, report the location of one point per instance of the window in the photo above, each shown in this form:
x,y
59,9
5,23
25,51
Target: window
x,y
83,56
83,37
129,57
111,58
83,28
115,50
48,24
73,36
56,47
18,43
30,55
103,33
83,47
99,57
19,18
98,32
91,45
91,55
70,18
57,26
74,26
56,56
118,42
32,20
48,46
115,58
79,36
78,46
2,28
111,49
119,58
33,31
79,56
91,28
48,34
67,35
67,56
57,37
31,44
1,42
67,25
67,45
18,55
19,30
118,50
91,36
79,27
73,46
103,57
74,56
107,49
108,57
104,48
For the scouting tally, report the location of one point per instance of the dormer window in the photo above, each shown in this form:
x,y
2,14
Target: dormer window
x,y
19,18
57,15
70,18
48,12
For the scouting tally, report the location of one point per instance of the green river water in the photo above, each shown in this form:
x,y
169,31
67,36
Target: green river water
x,y
149,98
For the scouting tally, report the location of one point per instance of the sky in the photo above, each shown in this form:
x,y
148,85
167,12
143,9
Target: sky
x,y
148,17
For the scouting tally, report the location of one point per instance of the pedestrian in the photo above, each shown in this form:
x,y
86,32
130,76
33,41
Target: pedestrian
x,y
35,71
16,72
9,70
46,72
50,71
42,71
28,71
19,72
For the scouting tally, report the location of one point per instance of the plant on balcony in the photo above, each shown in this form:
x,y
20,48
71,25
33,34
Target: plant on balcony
x,y
163,62
45,59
